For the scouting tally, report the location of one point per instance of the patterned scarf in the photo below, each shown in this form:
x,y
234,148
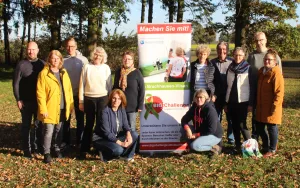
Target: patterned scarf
x,y
238,68
123,77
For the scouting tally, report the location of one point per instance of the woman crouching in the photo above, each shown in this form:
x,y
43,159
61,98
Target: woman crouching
x,y
206,132
113,137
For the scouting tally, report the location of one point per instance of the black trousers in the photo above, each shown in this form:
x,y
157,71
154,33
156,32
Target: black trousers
x,y
93,107
238,114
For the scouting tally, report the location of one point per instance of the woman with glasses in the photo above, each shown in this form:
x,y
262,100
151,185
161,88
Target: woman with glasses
x,y
239,96
270,93
206,132
94,86
130,80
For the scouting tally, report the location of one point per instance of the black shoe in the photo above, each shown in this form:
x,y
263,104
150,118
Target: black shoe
x,y
27,154
82,156
47,158
58,154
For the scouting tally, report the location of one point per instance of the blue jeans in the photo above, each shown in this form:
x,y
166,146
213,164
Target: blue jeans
x,y
52,131
111,150
202,143
29,112
269,140
131,117
230,136
79,125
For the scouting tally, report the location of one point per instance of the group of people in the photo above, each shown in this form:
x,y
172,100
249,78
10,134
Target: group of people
x,y
49,91
237,86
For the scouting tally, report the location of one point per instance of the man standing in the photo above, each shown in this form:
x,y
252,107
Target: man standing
x,y
73,63
24,87
256,61
221,64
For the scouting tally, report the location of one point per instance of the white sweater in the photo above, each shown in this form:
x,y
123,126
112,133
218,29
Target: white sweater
x,y
95,81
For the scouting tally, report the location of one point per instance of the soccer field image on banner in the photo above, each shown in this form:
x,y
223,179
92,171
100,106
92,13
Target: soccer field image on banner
x,y
165,102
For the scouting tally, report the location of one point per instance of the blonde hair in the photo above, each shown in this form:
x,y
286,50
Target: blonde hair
x,y
57,53
203,48
99,49
179,51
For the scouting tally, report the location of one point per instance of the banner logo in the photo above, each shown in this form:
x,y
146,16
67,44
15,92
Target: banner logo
x,y
154,105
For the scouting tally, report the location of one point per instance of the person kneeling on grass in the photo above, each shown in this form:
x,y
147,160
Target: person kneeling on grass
x,y
206,132
113,137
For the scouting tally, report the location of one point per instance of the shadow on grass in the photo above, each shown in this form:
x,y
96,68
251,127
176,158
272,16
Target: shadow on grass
x,y
6,73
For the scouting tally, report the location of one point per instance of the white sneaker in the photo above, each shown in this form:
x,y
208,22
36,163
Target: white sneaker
x,y
129,160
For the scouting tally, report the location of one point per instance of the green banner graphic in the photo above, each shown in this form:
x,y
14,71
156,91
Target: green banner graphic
x,y
149,107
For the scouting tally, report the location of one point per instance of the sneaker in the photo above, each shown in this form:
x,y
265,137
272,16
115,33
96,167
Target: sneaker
x,y
82,156
216,150
269,154
27,154
59,154
47,158
129,160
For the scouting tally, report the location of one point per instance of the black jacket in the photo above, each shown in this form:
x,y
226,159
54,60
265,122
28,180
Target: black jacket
x,y
135,91
205,120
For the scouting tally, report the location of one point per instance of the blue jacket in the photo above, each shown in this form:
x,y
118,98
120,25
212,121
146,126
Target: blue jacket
x,y
107,128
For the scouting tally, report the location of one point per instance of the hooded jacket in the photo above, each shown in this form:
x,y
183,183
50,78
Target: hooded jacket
x,y
49,95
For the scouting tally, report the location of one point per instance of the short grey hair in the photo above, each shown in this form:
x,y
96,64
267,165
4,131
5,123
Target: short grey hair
x,y
99,49
201,92
239,49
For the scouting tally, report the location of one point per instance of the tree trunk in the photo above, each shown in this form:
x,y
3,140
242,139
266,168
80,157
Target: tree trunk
x,y
80,27
150,11
5,16
29,29
180,10
100,22
55,31
34,31
144,3
171,8
241,22
92,26
23,39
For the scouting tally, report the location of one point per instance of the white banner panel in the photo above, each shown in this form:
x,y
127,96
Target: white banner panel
x,y
165,102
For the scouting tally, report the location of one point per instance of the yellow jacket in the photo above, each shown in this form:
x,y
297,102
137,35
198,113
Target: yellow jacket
x,y
48,95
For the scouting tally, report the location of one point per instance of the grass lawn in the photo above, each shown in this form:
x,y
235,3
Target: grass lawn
x,y
164,170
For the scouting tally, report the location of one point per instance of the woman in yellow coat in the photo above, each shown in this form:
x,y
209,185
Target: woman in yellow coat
x,y
55,101
270,93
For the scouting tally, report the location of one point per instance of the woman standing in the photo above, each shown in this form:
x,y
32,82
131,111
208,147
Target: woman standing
x,y
55,101
131,82
113,136
94,87
206,132
239,95
270,93
203,73
177,67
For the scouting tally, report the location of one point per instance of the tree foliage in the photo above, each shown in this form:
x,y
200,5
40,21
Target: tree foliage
x,y
202,35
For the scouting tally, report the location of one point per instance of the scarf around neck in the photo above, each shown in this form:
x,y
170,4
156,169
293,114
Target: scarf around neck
x,y
239,68
123,77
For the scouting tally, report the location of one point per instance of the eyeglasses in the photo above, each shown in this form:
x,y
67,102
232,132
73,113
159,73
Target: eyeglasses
x,y
239,55
126,59
200,97
268,59
259,40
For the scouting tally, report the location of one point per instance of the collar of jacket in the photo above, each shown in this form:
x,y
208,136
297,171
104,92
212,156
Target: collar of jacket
x,y
197,62
51,74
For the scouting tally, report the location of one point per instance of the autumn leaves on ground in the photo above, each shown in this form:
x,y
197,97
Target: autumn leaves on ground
x,y
163,170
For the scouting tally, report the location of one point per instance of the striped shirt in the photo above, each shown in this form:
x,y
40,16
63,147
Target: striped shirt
x,y
200,82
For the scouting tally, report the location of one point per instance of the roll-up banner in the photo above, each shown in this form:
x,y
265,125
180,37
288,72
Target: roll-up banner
x,y
164,54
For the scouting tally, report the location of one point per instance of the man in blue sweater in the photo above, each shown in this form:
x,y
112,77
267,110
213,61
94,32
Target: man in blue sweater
x,y
73,63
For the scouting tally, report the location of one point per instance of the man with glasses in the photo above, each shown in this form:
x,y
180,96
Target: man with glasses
x,y
73,63
256,61
221,64
24,88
